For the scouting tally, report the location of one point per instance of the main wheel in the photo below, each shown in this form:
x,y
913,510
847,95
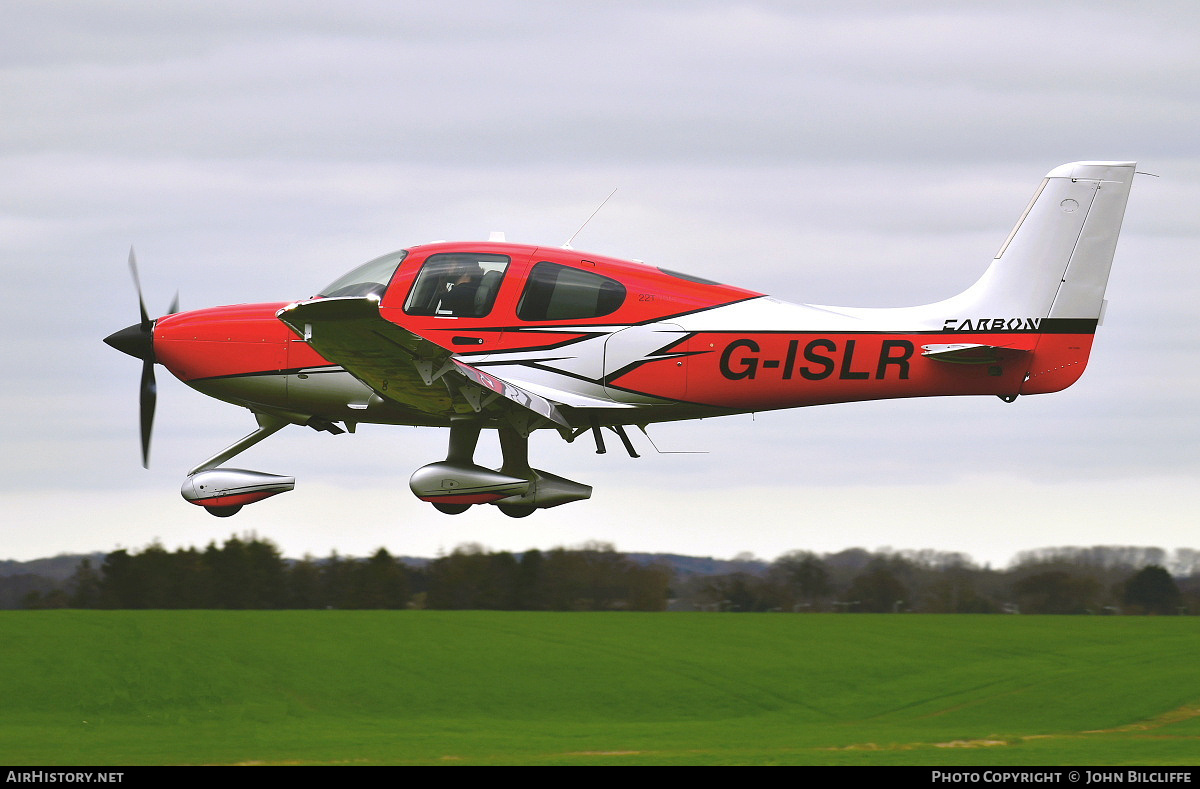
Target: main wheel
x,y
451,509
517,510
224,512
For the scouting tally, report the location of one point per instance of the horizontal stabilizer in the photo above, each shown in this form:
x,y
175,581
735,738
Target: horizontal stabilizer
x,y
970,353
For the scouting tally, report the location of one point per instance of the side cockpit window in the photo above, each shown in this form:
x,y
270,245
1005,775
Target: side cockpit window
x,y
457,285
556,293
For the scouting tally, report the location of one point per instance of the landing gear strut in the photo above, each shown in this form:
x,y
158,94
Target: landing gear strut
x,y
517,489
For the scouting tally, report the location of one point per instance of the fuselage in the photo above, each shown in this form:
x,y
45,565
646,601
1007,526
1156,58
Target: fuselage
x,y
647,345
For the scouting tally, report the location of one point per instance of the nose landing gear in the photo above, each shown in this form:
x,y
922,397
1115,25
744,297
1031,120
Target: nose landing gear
x,y
224,491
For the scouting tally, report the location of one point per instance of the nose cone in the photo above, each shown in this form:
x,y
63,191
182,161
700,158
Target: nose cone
x,y
134,340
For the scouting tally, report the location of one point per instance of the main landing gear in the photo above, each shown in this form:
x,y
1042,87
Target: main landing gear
x,y
453,485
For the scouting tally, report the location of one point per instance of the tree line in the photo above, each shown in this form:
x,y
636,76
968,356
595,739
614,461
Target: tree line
x,y
1097,580
251,573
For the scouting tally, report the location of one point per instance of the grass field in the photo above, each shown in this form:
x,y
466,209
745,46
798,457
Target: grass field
x,y
422,687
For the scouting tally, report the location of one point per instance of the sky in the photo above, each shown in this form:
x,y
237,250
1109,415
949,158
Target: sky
x,y
858,153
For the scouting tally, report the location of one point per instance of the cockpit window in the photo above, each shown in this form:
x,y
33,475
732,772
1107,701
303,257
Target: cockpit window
x,y
557,293
457,285
370,278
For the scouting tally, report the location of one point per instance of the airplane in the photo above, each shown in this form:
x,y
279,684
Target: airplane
x,y
516,338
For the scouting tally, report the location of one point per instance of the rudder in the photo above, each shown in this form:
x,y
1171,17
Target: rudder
x,y
1099,191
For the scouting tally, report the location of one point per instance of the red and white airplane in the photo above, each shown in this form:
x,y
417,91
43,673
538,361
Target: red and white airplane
x,y
517,338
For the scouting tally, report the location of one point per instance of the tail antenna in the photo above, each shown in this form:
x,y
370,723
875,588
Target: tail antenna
x,y
589,219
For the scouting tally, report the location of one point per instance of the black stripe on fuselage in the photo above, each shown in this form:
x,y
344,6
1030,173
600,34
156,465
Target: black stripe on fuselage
x,y
333,368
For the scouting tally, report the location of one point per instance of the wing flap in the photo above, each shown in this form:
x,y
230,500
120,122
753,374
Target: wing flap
x,y
522,397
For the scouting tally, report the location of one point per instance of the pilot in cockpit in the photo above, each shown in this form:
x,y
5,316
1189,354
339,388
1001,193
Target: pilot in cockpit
x,y
462,286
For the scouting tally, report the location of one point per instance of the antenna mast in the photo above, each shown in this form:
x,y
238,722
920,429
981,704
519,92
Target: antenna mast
x,y
589,219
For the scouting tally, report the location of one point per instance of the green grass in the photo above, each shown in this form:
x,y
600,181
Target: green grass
x,y
420,687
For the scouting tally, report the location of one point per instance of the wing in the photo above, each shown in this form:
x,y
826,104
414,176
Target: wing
x,y
405,367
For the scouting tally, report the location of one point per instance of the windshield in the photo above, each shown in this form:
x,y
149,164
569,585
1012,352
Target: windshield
x,y
369,278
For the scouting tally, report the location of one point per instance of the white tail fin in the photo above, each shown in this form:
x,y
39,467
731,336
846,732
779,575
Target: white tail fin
x,y
1055,262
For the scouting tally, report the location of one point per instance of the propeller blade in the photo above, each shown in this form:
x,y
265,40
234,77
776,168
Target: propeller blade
x,y
147,397
138,340
137,283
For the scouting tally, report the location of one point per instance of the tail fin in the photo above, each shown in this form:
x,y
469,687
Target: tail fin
x,y
1045,287
1039,302
1055,262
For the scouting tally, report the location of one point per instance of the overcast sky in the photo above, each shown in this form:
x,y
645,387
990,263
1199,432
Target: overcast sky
x,y
857,153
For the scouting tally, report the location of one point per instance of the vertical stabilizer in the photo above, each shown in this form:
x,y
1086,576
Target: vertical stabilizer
x,y
1055,262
